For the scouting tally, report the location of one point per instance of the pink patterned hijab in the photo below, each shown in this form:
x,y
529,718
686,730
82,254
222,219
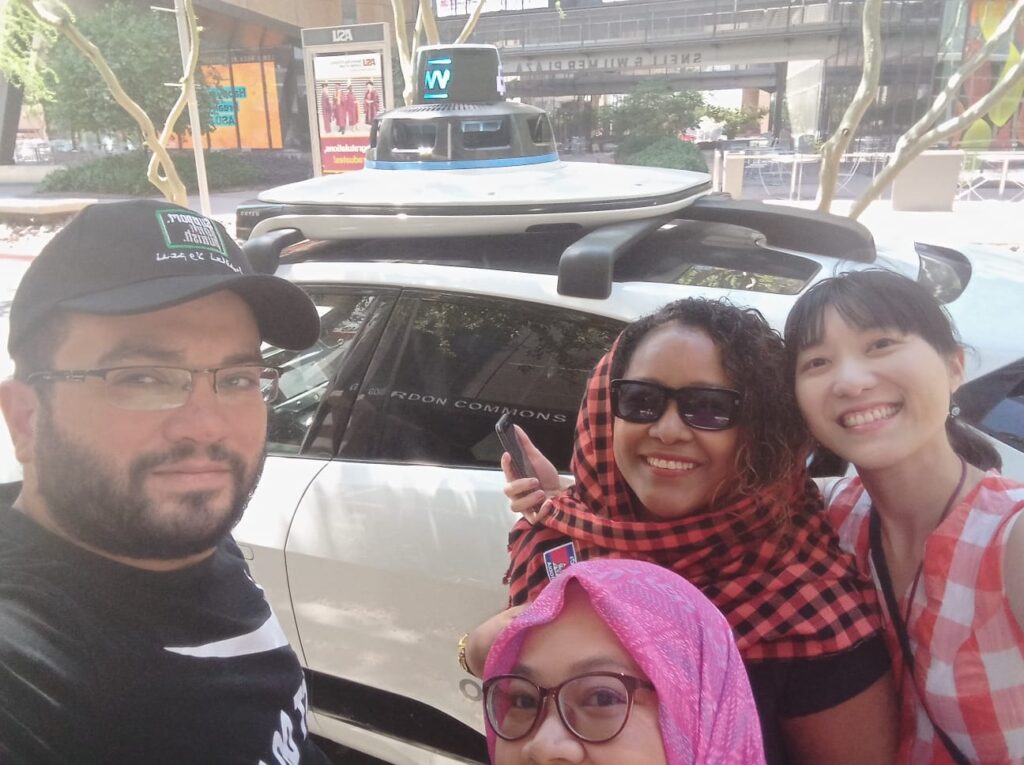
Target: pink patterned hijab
x,y
677,638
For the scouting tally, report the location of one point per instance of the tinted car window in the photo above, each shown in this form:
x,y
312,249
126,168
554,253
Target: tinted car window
x,y
1006,420
307,375
995,404
448,367
718,255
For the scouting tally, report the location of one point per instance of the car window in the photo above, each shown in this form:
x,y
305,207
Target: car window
x,y
994,403
448,367
718,256
1006,420
307,375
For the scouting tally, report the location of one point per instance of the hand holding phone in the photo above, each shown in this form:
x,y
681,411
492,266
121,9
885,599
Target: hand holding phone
x,y
510,443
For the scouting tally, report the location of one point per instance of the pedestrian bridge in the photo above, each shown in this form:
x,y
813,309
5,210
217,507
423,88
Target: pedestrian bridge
x,y
708,44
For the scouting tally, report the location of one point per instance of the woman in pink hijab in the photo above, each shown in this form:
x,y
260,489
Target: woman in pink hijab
x,y
619,662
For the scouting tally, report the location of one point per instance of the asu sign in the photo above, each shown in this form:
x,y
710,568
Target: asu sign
x,y
348,81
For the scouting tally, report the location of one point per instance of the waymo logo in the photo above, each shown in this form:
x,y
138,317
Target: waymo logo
x,y
436,77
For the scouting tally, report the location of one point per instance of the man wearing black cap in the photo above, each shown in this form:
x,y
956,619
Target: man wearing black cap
x,y
130,629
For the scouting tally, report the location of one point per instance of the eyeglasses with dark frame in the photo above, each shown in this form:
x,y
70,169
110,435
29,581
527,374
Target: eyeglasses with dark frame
x,y
594,707
700,406
149,388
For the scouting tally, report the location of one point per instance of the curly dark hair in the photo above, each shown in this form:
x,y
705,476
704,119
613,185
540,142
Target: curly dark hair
x,y
773,437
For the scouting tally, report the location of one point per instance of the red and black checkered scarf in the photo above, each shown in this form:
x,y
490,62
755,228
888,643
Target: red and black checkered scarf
x,y
784,585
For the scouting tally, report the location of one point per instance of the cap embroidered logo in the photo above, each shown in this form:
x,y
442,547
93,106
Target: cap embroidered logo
x,y
184,231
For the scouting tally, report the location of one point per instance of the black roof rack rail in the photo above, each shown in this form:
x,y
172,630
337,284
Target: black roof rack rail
x,y
585,268
788,227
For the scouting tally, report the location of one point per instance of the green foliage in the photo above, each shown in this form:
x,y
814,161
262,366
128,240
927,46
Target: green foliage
x,y
23,39
125,174
668,152
141,47
735,120
653,111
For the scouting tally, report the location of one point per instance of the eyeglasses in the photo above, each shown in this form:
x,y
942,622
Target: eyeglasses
x,y
153,388
594,707
704,408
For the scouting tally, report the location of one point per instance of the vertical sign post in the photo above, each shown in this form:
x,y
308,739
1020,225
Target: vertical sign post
x,y
348,83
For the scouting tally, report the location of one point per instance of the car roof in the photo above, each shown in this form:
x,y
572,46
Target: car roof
x,y
709,233
756,255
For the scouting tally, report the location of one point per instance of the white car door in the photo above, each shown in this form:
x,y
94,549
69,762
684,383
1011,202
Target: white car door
x,y
399,544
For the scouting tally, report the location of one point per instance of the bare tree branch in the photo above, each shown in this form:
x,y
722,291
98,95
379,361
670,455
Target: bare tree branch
x,y
187,82
834,149
417,32
919,137
471,22
430,22
406,47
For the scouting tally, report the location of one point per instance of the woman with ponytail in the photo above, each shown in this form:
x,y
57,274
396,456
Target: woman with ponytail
x,y
875,364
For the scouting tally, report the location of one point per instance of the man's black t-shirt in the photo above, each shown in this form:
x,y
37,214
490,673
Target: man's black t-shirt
x,y
105,663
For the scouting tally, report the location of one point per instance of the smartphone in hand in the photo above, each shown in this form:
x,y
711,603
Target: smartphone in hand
x,y
510,443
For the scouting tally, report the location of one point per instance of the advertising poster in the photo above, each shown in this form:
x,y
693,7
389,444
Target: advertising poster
x,y
245,111
348,96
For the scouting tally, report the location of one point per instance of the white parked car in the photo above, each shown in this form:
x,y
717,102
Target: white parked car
x,y
379,528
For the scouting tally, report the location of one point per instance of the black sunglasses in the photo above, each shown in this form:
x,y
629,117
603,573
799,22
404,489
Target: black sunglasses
x,y
704,408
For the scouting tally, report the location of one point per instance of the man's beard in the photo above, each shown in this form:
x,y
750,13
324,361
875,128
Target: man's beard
x,y
93,505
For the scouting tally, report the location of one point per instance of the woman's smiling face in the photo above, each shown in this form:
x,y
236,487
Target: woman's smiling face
x,y
672,468
875,396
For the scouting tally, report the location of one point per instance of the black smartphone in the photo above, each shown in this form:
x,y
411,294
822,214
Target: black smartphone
x,y
510,443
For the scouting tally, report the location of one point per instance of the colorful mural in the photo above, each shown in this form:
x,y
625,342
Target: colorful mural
x,y
1001,127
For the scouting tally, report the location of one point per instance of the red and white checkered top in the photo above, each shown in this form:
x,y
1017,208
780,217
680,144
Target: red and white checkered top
x,y
968,647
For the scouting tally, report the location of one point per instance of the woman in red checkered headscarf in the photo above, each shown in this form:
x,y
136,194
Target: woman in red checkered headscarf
x,y
690,454
875,361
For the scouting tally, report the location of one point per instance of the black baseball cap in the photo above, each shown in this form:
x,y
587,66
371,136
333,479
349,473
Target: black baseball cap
x,y
143,255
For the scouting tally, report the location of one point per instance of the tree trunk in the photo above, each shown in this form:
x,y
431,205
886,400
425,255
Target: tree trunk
x,y
405,48
834,149
188,79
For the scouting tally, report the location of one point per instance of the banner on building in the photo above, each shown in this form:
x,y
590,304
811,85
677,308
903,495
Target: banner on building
x,y
246,111
348,76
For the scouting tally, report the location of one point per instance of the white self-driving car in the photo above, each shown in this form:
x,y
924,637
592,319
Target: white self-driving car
x,y
379,528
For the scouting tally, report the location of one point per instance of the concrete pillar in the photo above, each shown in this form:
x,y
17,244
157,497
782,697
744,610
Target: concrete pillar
x,y
778,118
928,182
732,182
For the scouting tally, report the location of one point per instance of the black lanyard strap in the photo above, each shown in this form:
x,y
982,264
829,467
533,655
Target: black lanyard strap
x,y
885,580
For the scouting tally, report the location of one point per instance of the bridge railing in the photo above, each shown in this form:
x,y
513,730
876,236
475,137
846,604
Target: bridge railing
x,y
661,21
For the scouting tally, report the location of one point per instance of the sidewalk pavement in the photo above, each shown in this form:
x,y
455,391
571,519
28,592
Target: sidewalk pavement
x,y
988,222
20,238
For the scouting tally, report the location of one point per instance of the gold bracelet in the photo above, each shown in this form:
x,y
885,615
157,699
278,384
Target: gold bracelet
x,y
462,655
